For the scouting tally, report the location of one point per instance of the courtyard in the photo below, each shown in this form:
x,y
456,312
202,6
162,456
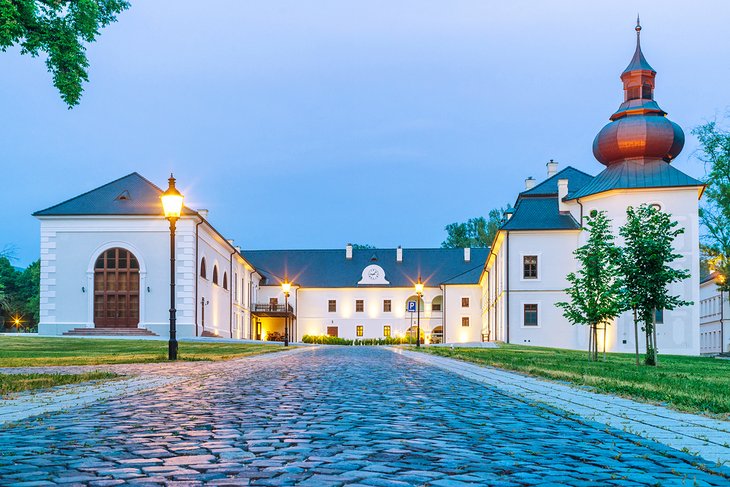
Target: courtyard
x,y
331,416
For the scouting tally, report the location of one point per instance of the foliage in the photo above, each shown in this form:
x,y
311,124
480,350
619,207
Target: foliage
x,y
60,29
11,383
474,233
715,212
648,251
694,384
595,290
21,351
20,295
330,340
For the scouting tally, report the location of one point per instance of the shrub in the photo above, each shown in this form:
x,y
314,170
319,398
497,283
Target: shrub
x,y
330,340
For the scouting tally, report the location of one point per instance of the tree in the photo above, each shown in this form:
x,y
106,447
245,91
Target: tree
x,y
58,28
475,232
648,251
362,246
19,292
715,212
595,290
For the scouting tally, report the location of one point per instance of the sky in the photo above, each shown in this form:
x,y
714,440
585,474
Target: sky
x,y
314,124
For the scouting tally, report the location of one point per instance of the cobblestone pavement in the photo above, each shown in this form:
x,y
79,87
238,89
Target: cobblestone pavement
x,y
333,416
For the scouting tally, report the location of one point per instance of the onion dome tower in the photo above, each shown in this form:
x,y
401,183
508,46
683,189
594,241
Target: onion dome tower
x,y
639,130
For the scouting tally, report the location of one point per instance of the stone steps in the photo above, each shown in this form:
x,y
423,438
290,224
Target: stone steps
x,y
109,332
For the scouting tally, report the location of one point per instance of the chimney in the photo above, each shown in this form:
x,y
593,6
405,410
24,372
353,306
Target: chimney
x,y
530,183
203,212
230,241
552,168
562,193
467,254
399,254
348,251
238,248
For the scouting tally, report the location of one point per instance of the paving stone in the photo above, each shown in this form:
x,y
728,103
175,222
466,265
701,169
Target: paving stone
x,y
332,416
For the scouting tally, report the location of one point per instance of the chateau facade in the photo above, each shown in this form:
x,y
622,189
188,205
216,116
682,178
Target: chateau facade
x,y
105,259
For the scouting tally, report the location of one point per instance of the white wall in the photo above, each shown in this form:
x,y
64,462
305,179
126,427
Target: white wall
x,y
714,318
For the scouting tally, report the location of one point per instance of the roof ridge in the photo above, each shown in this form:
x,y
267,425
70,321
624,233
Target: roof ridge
x,y
92,190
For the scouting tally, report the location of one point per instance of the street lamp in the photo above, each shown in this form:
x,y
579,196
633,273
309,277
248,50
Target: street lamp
x,y
419,294
286,287
172,202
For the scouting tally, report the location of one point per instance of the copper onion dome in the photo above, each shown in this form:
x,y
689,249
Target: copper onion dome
x,y
639,130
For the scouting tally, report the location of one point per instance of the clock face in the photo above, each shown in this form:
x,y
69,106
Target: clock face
x,y
374,274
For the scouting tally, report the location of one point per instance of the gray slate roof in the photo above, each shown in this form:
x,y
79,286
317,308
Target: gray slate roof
x,y
576,179
635,175
539,214
129,195
330,269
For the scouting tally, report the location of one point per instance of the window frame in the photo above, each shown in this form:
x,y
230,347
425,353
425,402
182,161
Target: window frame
x,y
359,306
538,263
387,331
465,299
387,306
359,330
332,306
465,319
538,321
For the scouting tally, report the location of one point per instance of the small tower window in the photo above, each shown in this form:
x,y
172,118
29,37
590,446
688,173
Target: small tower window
x,y
203,270
225,280
646,91
215,275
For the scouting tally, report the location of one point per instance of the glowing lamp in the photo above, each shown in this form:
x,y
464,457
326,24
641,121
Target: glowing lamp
x,y
286,287
172,200
419,288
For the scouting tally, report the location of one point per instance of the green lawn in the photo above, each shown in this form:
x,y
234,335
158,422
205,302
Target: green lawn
x,y
694,384
10,383
32,351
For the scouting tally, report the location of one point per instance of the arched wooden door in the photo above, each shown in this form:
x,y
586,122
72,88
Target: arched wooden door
x,y
116,289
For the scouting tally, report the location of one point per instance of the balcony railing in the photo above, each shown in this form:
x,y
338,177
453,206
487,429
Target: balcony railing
x,y
272,308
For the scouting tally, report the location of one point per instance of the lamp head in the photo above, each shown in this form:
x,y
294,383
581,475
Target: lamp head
x,y
286,287
419,287
172,200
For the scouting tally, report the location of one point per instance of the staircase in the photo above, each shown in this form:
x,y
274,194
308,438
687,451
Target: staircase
x,y
104,332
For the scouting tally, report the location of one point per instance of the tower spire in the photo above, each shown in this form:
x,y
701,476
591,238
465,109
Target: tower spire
x,y
638,62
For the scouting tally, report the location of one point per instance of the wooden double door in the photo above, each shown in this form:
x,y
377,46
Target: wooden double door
x,y
116,289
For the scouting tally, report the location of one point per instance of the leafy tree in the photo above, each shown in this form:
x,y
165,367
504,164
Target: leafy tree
x,y
19,292
715,212
648,251
362,246
595,290
60,29
474,233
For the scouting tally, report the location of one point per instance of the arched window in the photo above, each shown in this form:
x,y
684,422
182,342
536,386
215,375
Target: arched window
x,y
203,270
225,281
215,275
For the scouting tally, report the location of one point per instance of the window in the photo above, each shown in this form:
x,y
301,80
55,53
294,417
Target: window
x,y
386,331
235,286
464,302
359,305
358,330
435,306
529,267
530,315
659,316
215,275
203,270
225,280
387,306
273,302
464,321
332,305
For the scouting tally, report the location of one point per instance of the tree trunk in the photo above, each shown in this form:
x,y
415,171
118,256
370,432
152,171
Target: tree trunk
x,y
605,330
590,342
595,342
653,329
636,337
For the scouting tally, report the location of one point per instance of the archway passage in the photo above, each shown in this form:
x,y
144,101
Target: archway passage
x,y
116,289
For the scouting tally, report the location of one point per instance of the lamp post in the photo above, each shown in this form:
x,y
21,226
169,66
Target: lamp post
x,y
419,294
172,202
286,287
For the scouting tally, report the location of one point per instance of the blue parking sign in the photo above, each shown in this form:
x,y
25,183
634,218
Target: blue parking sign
x,y
411,307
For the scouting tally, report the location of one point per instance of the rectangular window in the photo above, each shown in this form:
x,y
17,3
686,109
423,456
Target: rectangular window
x,y
332,306
436,307
359,305
529,267
273,302
530,318
464,302
386,331
659,316
358,330
387,305
464,321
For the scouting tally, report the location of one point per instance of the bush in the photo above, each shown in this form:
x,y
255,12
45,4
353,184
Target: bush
x,y
330,340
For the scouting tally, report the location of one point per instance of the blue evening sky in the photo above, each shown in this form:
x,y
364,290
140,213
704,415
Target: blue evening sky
x,y
306,124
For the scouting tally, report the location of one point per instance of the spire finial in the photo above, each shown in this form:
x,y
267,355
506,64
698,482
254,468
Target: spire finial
x,y
638,24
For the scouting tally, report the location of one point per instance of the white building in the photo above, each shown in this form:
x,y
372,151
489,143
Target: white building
x,y
105,260
714,315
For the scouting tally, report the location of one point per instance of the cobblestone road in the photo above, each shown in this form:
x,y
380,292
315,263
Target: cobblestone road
x,y
333,416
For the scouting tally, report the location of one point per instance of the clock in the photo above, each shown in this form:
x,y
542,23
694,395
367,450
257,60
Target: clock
x,y
374,274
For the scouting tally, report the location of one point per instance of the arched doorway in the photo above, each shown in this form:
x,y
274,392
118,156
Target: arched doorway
x,y
116,289
437,334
